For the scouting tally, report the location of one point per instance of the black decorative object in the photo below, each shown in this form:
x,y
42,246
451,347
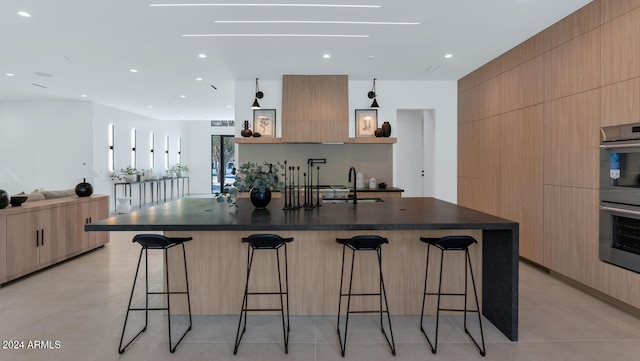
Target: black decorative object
x,y
386,127
84,189
246,132
379,132
260,199
259,95
372,95
4,199
16,201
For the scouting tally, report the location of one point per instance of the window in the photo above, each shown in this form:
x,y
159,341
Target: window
x,y
110,151
152,144
133,148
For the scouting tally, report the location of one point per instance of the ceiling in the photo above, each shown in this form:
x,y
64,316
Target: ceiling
x,y
71,48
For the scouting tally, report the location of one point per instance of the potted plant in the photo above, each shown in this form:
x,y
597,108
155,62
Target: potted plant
x,y
128,174
179,170
259,180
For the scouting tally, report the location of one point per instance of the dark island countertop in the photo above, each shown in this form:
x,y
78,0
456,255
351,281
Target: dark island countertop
x,y
203,214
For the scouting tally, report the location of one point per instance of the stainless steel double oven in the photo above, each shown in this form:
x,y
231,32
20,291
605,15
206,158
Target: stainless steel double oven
x,y
620,196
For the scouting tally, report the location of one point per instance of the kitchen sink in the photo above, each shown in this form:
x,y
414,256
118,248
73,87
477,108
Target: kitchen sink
x,y
350,200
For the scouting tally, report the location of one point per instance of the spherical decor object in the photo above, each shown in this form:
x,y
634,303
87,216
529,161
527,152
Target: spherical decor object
x,y
260,199
16,201
4,199
84,189
379,132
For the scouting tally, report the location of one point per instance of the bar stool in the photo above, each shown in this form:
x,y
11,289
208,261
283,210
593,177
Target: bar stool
x,y
156,241
363,243
272,242
452,243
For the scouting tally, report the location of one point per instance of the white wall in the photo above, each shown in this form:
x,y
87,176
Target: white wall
x,y
45,143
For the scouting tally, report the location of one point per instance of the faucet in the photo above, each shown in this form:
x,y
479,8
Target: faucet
x,y
355,194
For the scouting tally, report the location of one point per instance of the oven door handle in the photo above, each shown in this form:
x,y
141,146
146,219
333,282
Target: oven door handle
x,y
615,146
619,210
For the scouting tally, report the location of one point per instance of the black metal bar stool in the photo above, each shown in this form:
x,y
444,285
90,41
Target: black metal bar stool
x,y
272,242
363,243
452,243
156,241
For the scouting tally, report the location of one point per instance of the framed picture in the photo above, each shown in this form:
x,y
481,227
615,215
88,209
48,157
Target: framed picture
x,y
264,122
366,122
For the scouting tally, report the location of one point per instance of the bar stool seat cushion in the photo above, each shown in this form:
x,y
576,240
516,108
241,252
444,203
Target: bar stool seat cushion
x,y
266,241
158,241
363,243
450,243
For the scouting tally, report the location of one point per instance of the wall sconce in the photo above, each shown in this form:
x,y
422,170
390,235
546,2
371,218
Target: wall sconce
x,y
259,95
372,95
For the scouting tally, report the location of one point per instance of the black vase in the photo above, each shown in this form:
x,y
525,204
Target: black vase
x,y
84,189
379,132
386,128
246,132
258,198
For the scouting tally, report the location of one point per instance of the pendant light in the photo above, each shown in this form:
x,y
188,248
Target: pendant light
x,y
372,95
259,95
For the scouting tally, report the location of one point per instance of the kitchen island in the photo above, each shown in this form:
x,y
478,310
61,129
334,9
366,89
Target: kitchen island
x,y
217,259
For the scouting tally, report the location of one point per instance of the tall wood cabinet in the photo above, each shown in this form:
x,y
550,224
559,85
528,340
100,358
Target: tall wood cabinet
x,y
42,233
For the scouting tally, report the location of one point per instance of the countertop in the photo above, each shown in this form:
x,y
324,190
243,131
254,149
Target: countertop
x,y
392,214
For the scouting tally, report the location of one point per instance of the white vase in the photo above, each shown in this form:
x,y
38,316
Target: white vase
x,y
124,205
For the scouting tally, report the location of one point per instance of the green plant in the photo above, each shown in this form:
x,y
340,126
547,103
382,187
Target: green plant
x,y
227,195
124,173
261,176
178,169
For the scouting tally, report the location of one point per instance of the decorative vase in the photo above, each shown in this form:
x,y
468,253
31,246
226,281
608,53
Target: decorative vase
x,y
84,189
246,132
379,132
130,178
124,205
260,199
386,128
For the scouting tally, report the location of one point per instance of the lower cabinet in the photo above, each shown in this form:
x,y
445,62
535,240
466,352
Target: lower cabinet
x,y
35,240
41,233
79,214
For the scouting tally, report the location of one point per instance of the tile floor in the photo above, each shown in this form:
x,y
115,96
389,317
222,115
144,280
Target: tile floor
x,y
81,305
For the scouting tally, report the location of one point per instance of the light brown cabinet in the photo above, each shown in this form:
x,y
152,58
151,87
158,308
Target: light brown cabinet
x,y
79,214
315,108
40,234
35,240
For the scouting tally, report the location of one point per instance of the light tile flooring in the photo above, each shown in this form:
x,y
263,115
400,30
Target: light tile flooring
x,y
81,304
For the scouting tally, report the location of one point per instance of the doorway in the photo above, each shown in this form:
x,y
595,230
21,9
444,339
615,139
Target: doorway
x,y
223,164
415,162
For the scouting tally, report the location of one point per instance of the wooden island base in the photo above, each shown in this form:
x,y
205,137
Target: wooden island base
x,y
217,270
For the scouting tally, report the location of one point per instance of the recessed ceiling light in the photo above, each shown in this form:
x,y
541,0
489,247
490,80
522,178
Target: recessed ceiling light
x,y
447,56
149,106
279,35
183,96
83,95
199,79
133,70
24,14
9,74
326,56
202,56
228,106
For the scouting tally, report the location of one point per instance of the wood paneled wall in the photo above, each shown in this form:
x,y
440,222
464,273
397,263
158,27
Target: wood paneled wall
x,y
528,135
